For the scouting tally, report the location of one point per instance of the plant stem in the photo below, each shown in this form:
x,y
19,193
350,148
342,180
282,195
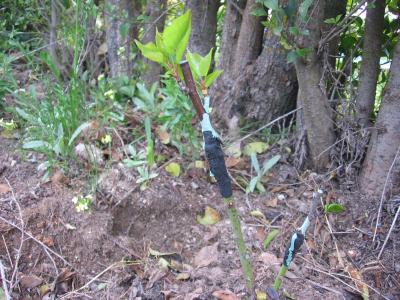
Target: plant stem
x,y
239,241
279,277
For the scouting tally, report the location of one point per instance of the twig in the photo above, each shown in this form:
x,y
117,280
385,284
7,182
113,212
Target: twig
x,y
122,142
36,240
240,11
267,125
4,280
8,252
390,232
383,193
15,269
87,284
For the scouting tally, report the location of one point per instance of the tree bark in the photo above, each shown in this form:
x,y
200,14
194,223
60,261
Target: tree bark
x,y
316,114
230,33
369,70
155,12
250,39
204,25
381,162
263,90
257,82
120,15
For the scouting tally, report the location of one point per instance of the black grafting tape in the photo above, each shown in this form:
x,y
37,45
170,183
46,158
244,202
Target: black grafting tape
x,y
215,157
295,244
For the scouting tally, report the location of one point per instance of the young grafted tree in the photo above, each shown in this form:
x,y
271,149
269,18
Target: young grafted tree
x,y
381,167
369,71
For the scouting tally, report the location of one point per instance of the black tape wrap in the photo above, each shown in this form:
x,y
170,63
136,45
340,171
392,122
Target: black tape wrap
x,y
291,251
215,157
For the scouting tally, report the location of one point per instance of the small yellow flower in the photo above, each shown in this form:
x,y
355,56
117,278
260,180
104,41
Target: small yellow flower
x,y
100,77
110,94
106,139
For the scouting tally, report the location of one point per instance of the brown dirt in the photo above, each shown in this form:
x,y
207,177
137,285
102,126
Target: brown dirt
x,y
107,250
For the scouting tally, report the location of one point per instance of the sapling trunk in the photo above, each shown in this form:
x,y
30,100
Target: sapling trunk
x,y
215,158
240,244
297,240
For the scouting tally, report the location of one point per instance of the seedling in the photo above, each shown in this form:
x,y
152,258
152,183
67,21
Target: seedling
x,y
82,203
168,51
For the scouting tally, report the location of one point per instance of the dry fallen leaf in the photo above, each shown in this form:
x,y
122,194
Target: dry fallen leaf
x,y
4,188
225,295
231,162
358,280
59,177
206,256
30,281
272,202
211,216
163,135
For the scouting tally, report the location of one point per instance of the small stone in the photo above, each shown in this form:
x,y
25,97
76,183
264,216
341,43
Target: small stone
x,y
397,267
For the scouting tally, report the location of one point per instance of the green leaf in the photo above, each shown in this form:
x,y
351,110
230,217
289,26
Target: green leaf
x,y
78,132
128,90
174,169
151,52
124,30
212,76
303,9
211,217
205,64
254,162
272,4
194,60
268,164
259,12
176,35
36,144
129,163
270,237
252,185
255,147
335,208
292,56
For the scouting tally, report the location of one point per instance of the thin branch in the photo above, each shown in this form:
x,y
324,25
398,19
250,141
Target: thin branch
x,y
267,125
36,240
383,194
4,280
390,232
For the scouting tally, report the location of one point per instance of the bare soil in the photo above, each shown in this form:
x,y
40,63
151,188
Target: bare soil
x,y
110,252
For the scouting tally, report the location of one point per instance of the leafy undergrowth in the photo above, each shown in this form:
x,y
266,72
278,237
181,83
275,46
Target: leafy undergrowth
x,y
172,240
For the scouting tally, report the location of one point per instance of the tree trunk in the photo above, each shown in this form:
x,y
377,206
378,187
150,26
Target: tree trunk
x,y
383,159
156,14
250,39
204,25
230,34
120,15
316,117
257,82
369,70
53,38
263,90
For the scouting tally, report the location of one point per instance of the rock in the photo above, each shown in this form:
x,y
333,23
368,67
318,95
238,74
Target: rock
x,y
89,153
